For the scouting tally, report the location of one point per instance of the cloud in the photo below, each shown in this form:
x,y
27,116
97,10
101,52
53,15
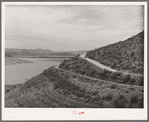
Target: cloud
x,y
96,27
70,26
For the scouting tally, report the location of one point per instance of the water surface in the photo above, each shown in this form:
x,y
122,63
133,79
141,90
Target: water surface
x,y
20,73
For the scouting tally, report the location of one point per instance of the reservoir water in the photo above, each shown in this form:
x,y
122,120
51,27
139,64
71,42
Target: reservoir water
x,y
20,73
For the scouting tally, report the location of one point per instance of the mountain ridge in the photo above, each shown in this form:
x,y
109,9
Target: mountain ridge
x,y
16,52
123,55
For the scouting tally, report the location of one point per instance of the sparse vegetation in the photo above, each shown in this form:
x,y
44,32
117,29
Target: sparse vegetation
x,y
76,87
55,88
125,55
120,102
81,66
113,86
136,101
108,97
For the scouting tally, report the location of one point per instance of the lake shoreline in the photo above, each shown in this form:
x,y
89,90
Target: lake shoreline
x,y
18,71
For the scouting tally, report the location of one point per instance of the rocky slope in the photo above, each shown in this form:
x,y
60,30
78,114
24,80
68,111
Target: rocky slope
x,y
61,89
124,55
81,66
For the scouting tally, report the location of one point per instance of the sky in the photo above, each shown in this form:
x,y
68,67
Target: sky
x,y
70,27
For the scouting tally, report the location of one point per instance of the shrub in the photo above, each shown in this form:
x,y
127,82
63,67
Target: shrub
x,y
132,81
141,83
78,55
92,73
95,92
126,78
74,75
62,82
115,74
127,91
107,97
140,102
7,90
113,86
113,65
132,88
134,99
96,99
77,66
87,97
79,94
82,71
120,102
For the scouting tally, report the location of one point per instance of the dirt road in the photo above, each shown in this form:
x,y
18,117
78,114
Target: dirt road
x,y
106,67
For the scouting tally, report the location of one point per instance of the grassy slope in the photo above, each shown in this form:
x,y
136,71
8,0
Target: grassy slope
x,y
124,55
55,88
81,66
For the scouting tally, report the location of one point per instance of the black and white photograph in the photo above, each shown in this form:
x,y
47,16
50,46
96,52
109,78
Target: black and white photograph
x,y
74,57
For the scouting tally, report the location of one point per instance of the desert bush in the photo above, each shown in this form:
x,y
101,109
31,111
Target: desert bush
x,y
74,75
132,88
113,65
77,66
82,71
108,96
126,78
92,73
113,86
114,75
87,98
120,102
78,55
96,99
134,99
7,90
140,102
95,92
80,94
132,81
62,82
141,83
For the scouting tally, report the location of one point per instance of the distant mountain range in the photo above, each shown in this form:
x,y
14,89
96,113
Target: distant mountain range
x,y
15,52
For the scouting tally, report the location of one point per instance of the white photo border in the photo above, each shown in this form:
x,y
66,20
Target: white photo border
x,y
66,113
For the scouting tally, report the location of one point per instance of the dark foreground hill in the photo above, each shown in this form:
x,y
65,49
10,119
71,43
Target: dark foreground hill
x,y
61,89
124,55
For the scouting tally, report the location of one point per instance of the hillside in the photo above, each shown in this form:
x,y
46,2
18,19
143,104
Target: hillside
x,y
125,55
78,83
61,89
83,67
